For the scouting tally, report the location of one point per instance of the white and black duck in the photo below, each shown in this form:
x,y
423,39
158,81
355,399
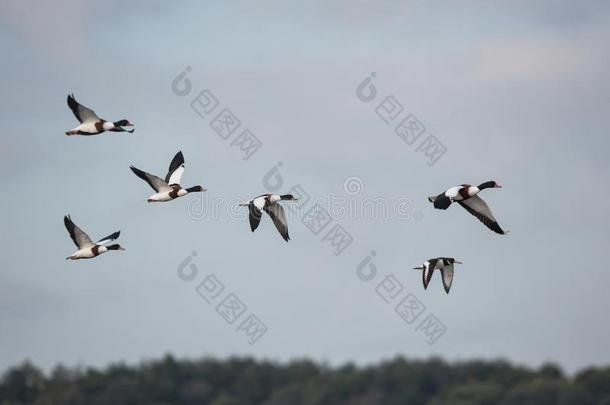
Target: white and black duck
x,y
90,123
170,188
86,248
270,204
466,196
444,264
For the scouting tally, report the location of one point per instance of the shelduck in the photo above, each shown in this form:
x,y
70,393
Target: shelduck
x,y
444,264
86,248
269,204
466,196
90,123
170,188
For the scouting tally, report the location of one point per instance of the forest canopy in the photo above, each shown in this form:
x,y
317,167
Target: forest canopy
x,y
249,381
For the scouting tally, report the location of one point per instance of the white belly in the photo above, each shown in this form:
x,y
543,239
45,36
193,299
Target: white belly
x,y
87,127
86,253
161,197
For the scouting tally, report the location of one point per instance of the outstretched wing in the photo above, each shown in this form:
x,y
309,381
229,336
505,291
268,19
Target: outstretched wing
x,y
80,238
155,182
109,238
276,212
82,113
447,273
441,201
176,168
477,207
427,272
255,216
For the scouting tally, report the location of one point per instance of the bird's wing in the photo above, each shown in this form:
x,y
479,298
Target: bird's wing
x,y
255,216
441,201
176,168
427,273
82,113
447,273
155,182
477,207
453,192
276,212
260,201
109,238
80,238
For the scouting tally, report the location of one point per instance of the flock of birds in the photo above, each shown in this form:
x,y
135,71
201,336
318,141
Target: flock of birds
x,y
467,196
169,188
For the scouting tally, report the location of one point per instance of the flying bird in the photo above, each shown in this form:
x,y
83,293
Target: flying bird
x,y
270,204
170,188
86,248
444,264
466,196
90,123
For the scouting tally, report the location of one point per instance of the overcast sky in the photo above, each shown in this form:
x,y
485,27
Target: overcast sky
x,y
516,93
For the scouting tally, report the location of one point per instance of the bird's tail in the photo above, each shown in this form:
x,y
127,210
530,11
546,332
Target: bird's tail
x,y
432,198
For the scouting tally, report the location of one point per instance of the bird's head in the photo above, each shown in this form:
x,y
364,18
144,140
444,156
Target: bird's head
x,y
123,123
489,184
195,189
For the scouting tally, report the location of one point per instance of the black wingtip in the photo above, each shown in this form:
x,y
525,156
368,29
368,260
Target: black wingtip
x,y
447,287
496,228
68,223
138,173
441,202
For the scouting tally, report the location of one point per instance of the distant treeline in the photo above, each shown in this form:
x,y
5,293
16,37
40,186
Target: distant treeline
x,y
248,381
